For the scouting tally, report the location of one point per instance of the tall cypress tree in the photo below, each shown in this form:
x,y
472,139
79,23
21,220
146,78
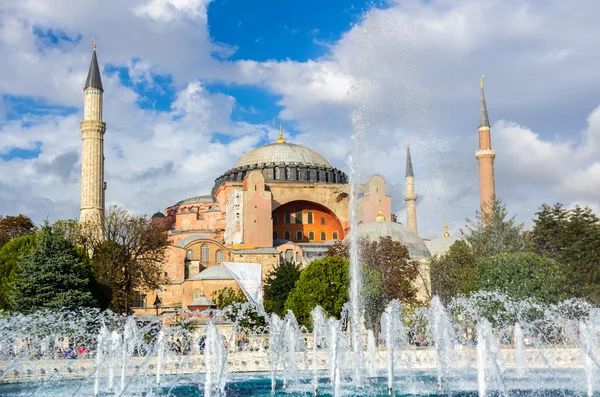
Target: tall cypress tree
x,y
52,275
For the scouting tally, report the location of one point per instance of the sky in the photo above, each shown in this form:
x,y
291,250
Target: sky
x,y
192,85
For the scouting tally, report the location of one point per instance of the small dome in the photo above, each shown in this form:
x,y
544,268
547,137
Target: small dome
x,y
285,153
441,245
198,199
218,272
202,301
158,215
416,246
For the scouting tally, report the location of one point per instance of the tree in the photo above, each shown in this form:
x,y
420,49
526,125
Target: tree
x,y
237,309
51,276
521,276
571,237
314,288
128,258
391,260
12,227
491,233
10,255
278,285
454,273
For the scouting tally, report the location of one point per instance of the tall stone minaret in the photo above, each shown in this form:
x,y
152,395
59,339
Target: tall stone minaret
x,y
92,147
410,197
485,157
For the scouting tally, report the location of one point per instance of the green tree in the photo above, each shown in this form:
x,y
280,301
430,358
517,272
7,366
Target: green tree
x,y
492,233
278,285
314,288
10,255
391,260
523,275
127,257
52,276
12,227
454,273
237,309
572,238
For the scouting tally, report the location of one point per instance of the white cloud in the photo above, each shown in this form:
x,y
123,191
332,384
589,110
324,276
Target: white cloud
x,y
411,70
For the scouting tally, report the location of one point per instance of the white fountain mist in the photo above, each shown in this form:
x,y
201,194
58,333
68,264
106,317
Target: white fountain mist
x,y
319,324
160,352
115,346
519,350
215,361
443,337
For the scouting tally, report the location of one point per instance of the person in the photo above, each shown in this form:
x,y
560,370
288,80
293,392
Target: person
x,y
82,351
69,353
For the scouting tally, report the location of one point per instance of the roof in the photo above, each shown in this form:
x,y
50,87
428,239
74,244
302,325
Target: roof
x,y
202,301
256,251
198,199
158,215
484,120
93,78
441,245
218,272
286,153
409,168
416,247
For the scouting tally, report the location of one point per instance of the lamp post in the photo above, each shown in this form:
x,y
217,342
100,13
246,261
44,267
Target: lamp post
x,y
157,304
332,296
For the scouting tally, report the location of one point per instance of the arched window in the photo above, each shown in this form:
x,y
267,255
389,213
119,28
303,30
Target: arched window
x,y
335,236
289,255
288,217
299,216
287,173
310,217
197,294
297,257
277,173
189,255
311,236
299,235
323,236
275,220
286,235
139,300
205,253
322,220
220,257
275,235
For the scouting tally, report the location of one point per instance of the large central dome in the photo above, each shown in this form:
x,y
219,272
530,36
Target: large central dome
x,y
283,153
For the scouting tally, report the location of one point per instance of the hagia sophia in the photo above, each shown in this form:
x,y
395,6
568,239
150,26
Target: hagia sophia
x,y
278,202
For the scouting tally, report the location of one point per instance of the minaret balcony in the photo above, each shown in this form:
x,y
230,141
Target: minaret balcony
x,y
490,153
410,197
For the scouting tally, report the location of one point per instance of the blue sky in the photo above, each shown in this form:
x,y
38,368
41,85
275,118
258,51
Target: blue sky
x,y
192,85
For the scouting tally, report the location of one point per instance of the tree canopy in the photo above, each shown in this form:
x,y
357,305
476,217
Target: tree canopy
x,y
12,227
492,233
521,276
10,255
128,258
314,288
572,238
238,310
51,275
278,285
454,273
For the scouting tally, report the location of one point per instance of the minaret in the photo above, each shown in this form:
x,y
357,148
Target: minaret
x,y
92,147
485,156
410,197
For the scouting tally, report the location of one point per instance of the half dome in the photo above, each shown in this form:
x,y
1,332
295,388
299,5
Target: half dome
x,y
282,153
374,231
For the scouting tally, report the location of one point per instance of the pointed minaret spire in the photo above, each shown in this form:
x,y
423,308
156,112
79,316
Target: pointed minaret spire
x,y
485,157
380,217
410,197
93,77
446,232
484,120
409,168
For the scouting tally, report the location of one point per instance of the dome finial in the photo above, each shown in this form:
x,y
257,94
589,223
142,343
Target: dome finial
x,y
446,232
280,139
380,217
